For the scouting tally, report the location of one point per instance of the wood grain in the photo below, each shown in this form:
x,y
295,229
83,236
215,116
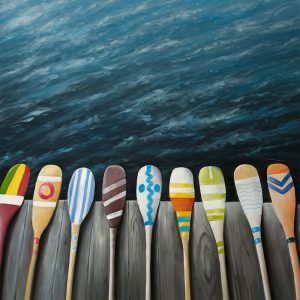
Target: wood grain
x,y
167,266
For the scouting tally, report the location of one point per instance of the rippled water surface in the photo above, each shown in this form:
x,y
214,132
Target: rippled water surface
x,y
93,83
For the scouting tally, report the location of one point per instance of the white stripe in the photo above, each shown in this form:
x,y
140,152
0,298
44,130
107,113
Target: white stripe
x,y
115,215
114,198
49,178
73,192
182,190
11,199
114,186
43,204
80,195
86,207
213,189
210,172
212,204
248,180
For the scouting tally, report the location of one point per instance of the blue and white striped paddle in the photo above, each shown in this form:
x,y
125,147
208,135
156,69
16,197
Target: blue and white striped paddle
x,y
80,198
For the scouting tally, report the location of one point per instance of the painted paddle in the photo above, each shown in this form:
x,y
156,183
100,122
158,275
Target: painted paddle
x,y
182,195
80,198
12,193
249,191
213,193
282,192
148,191
113,197
45,197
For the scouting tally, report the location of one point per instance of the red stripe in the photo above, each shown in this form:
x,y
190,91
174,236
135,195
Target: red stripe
x,y
183,204
24,182
36,241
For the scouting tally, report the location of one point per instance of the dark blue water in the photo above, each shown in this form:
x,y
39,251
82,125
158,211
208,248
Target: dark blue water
x,y
93,83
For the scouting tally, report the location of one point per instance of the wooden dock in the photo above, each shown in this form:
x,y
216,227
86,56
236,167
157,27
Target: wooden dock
x,y
92,268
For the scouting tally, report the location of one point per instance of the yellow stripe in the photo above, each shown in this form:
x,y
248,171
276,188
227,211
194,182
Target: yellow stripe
x,y
184,224
182,195
181,185
14,185
184,234
184,213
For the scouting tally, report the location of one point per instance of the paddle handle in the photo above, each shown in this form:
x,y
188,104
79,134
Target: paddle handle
x,y
148,231
35,250
263,270
112,246
73,250
186,265
224,283
3,229
296,267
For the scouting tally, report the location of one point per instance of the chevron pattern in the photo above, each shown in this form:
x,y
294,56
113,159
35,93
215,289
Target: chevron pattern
x,y
281,186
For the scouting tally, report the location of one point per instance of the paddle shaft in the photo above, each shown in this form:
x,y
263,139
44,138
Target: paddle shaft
x,y
296,268
224,283
263,270
73,250
112,243
35,249
148,232
186,265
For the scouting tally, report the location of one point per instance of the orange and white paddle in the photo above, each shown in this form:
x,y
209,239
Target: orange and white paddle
x,y
182,195
46,193
282,192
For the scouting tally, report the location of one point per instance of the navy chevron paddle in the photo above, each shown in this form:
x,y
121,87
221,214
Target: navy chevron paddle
x,y
80,198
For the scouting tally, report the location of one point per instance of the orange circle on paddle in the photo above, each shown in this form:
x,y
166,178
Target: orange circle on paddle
x,y
46,190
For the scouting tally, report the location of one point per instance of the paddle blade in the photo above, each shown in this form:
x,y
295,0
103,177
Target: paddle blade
x,y
148,191
80,194
14,185
213,193
248,187
114,194
282,192
182,195
45,197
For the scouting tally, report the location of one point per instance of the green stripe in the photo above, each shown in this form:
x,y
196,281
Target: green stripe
x,y
215,218
220,243
208,197
8,178
221,250
215,211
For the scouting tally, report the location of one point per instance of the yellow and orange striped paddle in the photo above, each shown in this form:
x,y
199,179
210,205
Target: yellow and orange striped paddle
x,y
182,195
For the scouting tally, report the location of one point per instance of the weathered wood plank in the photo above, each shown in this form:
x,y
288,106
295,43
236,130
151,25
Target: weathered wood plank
x,y
91,274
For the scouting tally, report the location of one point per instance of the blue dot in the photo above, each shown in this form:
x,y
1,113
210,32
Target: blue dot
x,y
141,188
157,188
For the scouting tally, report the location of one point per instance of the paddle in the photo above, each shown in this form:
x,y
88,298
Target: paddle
x,y
80,198
45,197
12,193
282,192
113,197
249,191
182,195
213,193
148,191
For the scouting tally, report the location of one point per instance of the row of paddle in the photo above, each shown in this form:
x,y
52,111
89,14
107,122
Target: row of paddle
x,y
148,191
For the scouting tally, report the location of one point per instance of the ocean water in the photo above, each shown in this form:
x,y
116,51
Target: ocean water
x,y
169,83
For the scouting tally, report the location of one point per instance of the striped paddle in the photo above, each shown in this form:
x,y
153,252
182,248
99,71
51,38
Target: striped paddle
x,y
282,192
213,193
12,193
148,191
113,197
45,197
249,191
182,195
80,198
